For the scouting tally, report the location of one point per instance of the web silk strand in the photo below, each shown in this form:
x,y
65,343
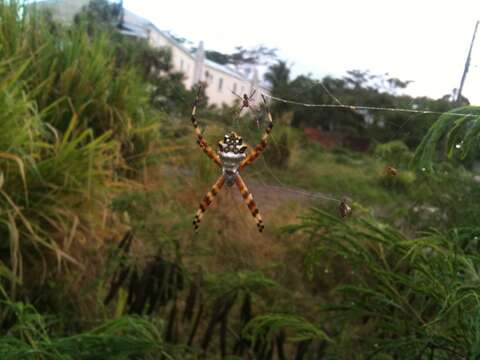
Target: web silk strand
x,y
369,108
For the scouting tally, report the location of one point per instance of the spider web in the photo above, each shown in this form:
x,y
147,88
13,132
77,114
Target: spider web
x,y
339,105
257,111
415,114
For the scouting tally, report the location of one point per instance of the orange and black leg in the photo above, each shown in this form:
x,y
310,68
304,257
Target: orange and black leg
x,y
200,139
263,143
247,196
207,200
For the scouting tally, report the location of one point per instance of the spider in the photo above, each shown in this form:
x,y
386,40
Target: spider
x,y
246,103
245,99
231,158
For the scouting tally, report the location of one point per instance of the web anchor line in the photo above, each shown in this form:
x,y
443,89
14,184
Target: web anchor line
x,y
340,105
371,108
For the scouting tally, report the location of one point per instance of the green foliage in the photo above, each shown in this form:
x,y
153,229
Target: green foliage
x,y
165,86
451,194
76,108
414,296
30,338
166,90
454,136
395,153
402,182
256,55
40,171
70,118
70,73
278,76
278,151
101,13
249,281
357,88
270,325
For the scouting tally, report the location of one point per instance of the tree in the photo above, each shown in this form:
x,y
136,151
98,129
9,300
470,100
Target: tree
x,y
100,13
166,88
278,76
256,55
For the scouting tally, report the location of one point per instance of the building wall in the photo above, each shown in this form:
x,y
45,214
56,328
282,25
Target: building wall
x,y
182,61
220,84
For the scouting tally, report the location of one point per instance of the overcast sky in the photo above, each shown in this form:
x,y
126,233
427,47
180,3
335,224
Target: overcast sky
x,y
421,40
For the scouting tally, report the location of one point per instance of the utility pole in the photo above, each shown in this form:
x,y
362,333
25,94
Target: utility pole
x,y
467,65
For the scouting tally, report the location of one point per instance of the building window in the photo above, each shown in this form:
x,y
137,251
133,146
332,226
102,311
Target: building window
x,y
243,90
220,84
181,64
208,77
234,87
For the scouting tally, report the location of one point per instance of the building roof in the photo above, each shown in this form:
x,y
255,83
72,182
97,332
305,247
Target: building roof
x,y
134,25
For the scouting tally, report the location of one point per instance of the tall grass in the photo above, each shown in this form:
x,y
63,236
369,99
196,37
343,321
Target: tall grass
x,y
396,295
30,337
70,119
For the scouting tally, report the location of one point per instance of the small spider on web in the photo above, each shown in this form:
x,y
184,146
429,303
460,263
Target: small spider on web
x,y
247,101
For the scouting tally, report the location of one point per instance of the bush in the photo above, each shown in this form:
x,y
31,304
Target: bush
x,y
69,119
401,182
278,152
31,337
395,153
407,297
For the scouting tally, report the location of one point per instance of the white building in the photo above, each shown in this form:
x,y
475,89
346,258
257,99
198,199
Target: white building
x,y
221,80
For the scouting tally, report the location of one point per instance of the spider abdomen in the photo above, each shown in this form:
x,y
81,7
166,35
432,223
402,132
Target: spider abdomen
x,y
230,165
232,153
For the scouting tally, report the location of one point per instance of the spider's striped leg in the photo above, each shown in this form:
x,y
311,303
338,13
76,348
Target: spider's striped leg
x,y
247,196
234,93
200,139
263,143
207,200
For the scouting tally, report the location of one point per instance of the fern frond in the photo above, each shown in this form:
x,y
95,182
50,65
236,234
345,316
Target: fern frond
x,y
452,134
269,325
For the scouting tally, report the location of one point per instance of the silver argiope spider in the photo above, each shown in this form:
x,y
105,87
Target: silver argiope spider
x,y
231,158
245,100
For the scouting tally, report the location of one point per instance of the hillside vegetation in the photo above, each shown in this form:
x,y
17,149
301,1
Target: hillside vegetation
x,y
100,178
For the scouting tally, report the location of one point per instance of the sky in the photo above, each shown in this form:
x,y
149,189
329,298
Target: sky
x,y
426,41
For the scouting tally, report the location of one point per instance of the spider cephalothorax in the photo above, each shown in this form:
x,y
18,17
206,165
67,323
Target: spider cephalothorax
x,y
232,159
232,152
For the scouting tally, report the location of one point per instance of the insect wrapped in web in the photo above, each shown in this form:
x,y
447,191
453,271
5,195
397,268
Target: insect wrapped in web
x,y
344,209
231,157
390,170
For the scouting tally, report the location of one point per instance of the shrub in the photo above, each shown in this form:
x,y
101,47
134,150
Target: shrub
x,y
278,151
401,182
395,153
69,118
31,337
407,296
